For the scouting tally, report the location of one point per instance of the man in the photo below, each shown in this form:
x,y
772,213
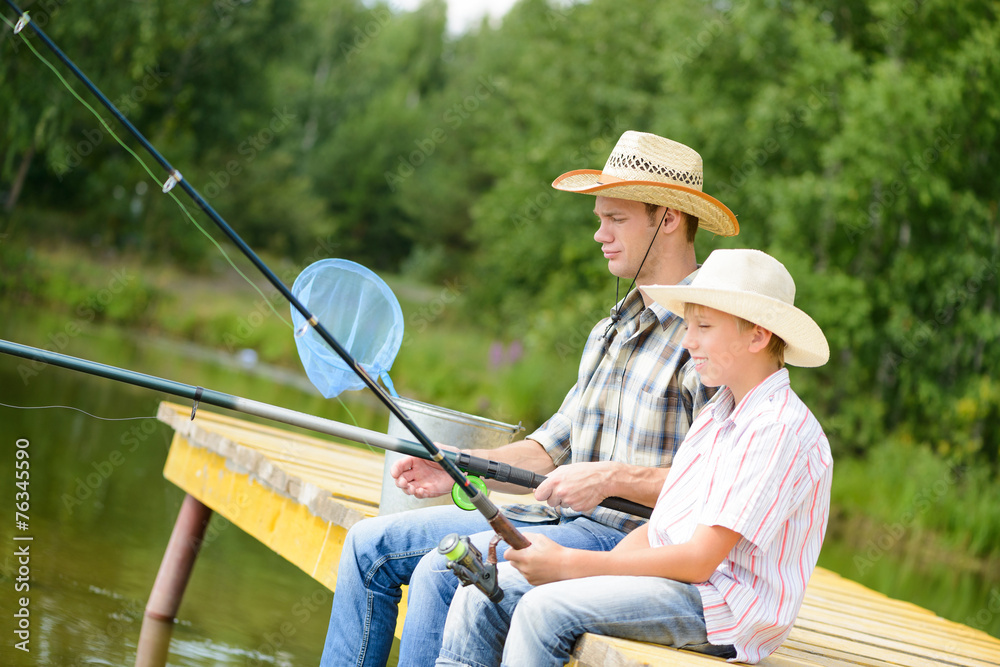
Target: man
x,y
614,435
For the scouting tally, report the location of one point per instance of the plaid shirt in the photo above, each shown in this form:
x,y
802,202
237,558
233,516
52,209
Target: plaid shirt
x,y
634,400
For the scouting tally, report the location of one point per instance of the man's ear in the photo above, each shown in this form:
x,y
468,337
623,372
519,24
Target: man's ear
x,y
672,220
760,339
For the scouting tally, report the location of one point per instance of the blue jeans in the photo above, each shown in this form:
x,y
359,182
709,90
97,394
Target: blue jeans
x,y
383,553
538,626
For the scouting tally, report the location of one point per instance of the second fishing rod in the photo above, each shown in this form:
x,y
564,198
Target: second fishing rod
x,y
486,468
500,524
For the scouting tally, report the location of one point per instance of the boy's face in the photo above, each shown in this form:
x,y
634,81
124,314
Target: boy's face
x,y
717,347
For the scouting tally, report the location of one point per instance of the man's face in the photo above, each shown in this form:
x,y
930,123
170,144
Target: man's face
x,y
625,233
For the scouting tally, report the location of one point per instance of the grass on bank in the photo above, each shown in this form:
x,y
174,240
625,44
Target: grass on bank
x,y
443,359
903,495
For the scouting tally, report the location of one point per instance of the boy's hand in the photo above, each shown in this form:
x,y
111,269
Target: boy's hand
x,y
578,486
542,562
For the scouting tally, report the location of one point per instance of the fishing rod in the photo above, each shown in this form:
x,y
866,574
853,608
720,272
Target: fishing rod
x,y
502,526
489,469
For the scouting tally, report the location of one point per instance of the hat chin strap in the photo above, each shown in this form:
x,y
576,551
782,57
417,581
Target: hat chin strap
x,y
615,316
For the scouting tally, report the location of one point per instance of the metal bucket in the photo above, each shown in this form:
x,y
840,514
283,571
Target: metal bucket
x,y
441,425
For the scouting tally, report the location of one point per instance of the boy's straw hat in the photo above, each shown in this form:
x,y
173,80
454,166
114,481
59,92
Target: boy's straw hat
x,y
648,168
757,287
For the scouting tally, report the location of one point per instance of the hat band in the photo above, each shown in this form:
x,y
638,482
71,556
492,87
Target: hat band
x,y
637,163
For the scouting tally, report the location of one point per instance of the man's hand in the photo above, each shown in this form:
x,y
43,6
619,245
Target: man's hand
x,y
421,478
425,479
577,486
542,562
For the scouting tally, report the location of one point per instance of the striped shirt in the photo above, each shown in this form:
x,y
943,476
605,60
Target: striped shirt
x,y
762,469
633,401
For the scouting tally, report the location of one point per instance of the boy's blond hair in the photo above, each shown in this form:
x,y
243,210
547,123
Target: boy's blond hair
x,y
775,348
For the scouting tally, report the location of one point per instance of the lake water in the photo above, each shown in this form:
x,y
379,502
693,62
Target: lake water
x,y
101,514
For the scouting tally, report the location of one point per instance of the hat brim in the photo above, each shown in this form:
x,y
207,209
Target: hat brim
x,y
712,214
806,345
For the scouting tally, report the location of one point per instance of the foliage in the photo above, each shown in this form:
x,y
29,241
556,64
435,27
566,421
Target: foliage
x,y
115,289
905,491
856,141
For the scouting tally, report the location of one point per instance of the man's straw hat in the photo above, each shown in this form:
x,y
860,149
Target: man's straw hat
x,y
647,168
757,287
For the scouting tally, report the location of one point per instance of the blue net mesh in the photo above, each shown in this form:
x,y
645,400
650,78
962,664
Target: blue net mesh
x,y
361,313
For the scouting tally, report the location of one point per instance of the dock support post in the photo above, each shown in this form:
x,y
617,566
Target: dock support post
x,y
171,580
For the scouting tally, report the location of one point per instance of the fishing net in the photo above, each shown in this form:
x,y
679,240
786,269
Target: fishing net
x,y
361,313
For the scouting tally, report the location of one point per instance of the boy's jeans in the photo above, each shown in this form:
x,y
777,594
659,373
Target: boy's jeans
x,y
383,553
549,619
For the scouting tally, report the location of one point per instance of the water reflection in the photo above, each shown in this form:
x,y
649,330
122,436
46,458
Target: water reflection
x,y
154,642
101,515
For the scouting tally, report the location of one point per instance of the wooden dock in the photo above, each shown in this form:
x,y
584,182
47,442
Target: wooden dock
x,y
299,495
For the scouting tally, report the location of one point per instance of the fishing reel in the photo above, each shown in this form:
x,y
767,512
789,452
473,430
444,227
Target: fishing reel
x,y
466,562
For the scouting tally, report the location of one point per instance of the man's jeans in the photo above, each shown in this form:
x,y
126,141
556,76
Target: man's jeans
x,y
383,553
548,619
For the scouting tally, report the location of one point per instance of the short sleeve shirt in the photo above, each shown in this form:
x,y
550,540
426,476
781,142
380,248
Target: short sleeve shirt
x,y
633,402
762,469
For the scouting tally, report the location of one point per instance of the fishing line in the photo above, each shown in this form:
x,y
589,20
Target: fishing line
x,y
70,407
505,530
618,304
146,167
614,319
170,193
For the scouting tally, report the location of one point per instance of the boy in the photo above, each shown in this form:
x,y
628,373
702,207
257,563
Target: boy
x,y
721,568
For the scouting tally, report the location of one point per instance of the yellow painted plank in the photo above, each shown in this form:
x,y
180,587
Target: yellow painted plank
x,y
283,525
280,523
